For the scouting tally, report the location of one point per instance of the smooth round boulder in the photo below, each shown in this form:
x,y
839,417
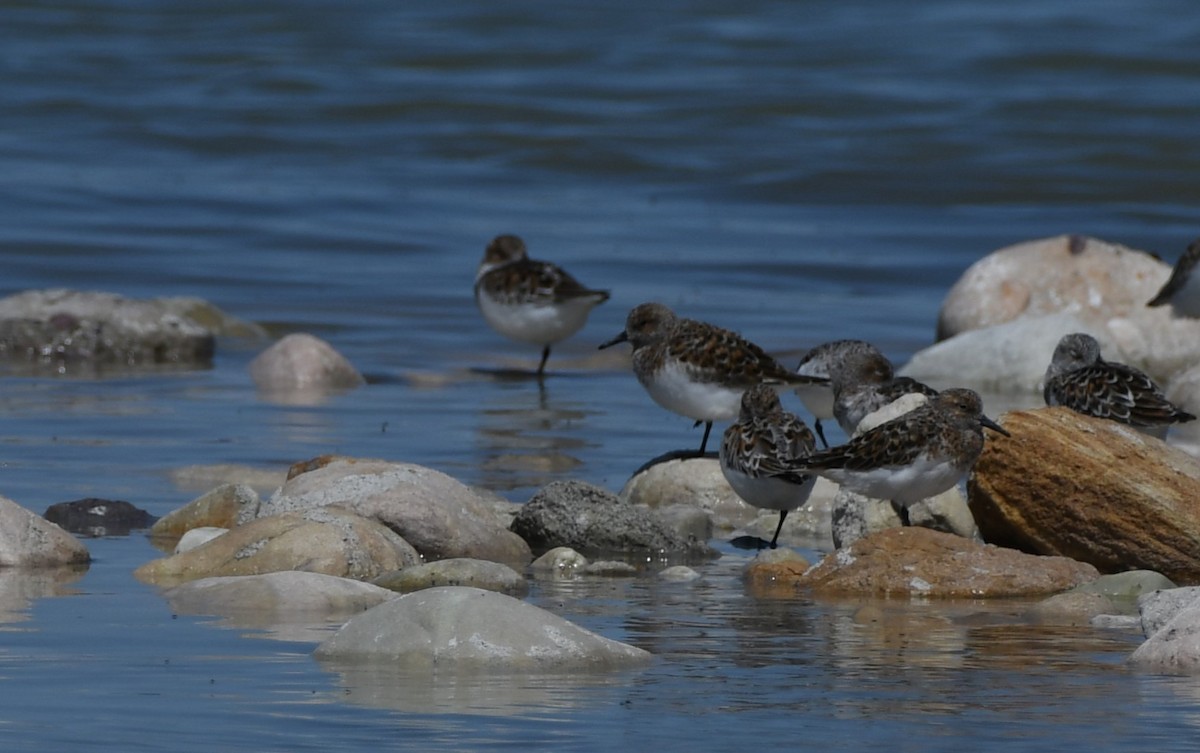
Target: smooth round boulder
x,y
271,597
29,540
457,628
301,368
461,571
226,506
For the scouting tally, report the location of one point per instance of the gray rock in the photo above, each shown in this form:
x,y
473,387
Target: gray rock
x,y
271,597
29,540
491,576
464,629
302,369
688,521
1129,585
198,537
591,519
438,515
1157,608
1075,607
1175,648
1129,622
611,569
560,561
81,332
226,506
678,574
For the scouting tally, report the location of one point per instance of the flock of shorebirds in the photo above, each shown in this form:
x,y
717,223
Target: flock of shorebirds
x,y
768,455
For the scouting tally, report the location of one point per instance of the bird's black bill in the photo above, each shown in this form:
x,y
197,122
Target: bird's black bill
x,y
623,337
989,423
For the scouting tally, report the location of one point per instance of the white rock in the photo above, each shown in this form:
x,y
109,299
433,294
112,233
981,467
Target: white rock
x,y
196,537
29,540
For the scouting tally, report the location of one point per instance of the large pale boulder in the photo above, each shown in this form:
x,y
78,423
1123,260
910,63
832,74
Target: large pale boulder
x,y
692,481
302,369
1090,489
464,629
29,540
438,515
924,563
1088,277
1171,622
80,332
326,540
269,598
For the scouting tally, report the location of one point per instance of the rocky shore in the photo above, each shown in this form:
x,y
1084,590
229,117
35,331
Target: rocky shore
x,y
1098,522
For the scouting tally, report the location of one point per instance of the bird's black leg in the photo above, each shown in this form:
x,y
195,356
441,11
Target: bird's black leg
x,y
704,442
778,528
902,511
541,370
821,433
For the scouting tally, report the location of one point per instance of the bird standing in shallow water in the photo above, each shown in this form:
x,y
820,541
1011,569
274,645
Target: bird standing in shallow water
x,y
1081,380
697,369
530,301
756,449
912,457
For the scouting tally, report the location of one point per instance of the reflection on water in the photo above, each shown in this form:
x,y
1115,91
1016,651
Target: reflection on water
x,y
528,435
20,587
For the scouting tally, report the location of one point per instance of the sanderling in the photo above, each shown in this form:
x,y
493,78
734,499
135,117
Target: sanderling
x,y
697,369
863,382
756,449
1182,289
530,301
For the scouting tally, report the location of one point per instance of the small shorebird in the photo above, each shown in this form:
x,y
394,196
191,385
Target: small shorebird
x,y
756,449
912,457
697,369
531,301
865,381
1081,380
820,362
1182,289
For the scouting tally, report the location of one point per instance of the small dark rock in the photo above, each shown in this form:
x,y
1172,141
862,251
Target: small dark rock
x,y
98,517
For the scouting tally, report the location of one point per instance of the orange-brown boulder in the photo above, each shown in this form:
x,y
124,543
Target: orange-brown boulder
x,y
927,563
1090,489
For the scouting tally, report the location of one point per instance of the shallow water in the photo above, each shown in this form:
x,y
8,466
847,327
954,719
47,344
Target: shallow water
x,y
795,172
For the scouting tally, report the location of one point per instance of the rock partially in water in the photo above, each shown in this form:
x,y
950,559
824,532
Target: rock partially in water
x,y
326,540
461,571
29,540
223,507
1074,607
1090,489
561,561
1171,620
98,517
470,629
774,573
302,369
270,598
1128,586
438,515
921,562
82,332
590,519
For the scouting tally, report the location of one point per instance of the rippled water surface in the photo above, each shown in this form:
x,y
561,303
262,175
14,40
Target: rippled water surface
x,y
797,171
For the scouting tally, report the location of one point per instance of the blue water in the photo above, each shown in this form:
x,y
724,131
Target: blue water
x,y
795,171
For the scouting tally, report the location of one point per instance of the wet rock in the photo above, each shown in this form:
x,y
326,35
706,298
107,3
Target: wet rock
x,y
926,563
197,537
1158,608
611,569
689,522
678,574
491,576
590,519
325,540
80,332
774,573
275,597
464,629
301,366
1090,489
1074,607
438,515
1175,648
1089,277
560,561
98,517
1127,586
28,540
223,507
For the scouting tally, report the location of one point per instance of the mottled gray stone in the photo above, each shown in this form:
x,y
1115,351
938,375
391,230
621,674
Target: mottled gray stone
x,y
561,561
29,540
1157,608
1175,647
